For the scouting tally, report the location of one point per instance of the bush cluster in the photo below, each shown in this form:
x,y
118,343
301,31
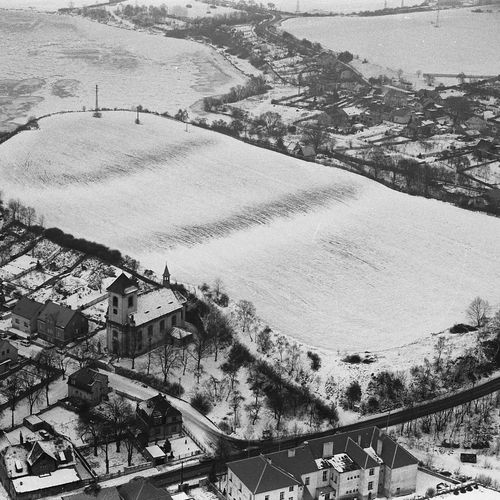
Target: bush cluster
x,y
173,389
98,250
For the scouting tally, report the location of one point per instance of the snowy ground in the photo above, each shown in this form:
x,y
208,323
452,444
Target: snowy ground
x,y
409,41
324,254
62,58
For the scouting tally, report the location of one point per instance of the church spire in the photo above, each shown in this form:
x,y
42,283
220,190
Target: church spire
x,y
166,277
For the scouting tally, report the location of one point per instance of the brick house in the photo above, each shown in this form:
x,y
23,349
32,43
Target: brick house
x,y
361,464
158,418
25,315
61,324
136,323
88,385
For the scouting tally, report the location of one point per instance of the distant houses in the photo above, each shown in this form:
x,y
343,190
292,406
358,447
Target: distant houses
x,y
361,464
88,385
52,322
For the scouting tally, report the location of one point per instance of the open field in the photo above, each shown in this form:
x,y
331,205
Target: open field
x,y
331,258
411,41
62,58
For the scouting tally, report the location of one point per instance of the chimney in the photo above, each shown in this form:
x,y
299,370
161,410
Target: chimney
x,y
379,446
327,449
291,452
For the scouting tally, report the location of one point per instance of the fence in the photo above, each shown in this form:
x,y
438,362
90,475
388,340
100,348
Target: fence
x,y
196,441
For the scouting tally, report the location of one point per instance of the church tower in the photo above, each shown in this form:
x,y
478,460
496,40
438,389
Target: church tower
x,y
166,277
122,304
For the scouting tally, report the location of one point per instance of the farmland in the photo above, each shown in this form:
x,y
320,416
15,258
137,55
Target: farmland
x,y
62,58
411,41
324,254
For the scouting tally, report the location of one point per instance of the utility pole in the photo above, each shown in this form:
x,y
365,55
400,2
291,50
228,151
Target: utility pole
x,y
97,113
297,10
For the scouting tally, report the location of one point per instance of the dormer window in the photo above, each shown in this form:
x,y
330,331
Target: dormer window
x,y
115,301
131,301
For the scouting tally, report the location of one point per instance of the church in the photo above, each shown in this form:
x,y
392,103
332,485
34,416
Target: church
x,y
136,323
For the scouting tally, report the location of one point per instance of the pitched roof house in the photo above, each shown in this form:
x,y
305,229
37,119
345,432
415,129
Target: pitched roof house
x,y
60,324
25,315
360,464
88,385
158,418
8,355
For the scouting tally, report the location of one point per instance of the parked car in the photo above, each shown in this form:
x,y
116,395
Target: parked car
x,y
25,343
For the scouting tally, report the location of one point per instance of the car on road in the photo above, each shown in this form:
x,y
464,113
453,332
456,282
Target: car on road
x,y
25,343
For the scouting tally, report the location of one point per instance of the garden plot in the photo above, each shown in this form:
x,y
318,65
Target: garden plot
x,y
330,258
65,422
33,279
17,266
61,59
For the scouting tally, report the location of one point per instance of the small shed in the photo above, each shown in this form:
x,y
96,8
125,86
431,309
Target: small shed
x,y
155,454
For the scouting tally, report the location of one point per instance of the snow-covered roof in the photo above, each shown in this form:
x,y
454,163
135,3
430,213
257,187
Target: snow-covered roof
x,y
153,305
341,462
35,483
155,451
352,110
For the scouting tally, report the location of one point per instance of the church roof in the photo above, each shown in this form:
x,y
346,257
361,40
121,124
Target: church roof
x,y
166,272
122,283
153,305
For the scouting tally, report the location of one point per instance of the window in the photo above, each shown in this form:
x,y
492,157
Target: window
x,y
306,482
150,330
372,471
230,477
290,488
131,301
25,323
17,321
266,497
370,485
335,479
174,320
115,301
115,311
325,475
162,325
282,495
115,334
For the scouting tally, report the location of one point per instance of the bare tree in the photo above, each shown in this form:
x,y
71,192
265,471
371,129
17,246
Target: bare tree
x,y
13,389
478,311
245,312
118,412
28,381
167,358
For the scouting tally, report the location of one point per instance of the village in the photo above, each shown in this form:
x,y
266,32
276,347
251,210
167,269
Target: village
x,y
120,382
97,356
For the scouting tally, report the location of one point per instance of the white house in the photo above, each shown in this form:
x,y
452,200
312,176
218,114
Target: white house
x,y
361,464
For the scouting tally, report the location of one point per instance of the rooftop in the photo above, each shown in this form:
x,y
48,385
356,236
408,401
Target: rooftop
x,y
27,308
153,305
122,285
36,483
61,315
341,462
85,378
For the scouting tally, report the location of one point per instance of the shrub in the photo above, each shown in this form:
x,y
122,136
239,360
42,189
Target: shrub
x,y
352,358
430,492
462,328
201,402
315,360
173,389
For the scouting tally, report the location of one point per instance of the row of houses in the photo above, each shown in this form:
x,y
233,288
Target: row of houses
x,y
362,465
50,321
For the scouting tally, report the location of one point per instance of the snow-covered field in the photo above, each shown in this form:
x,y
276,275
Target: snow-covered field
x,y
340,6
53,62
331,258
44,5
411,41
